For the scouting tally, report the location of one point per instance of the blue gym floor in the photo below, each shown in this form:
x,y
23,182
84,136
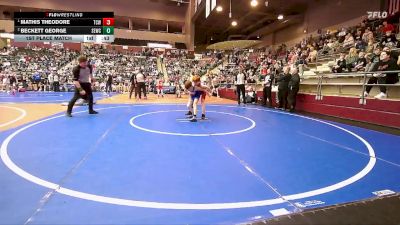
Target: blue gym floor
x,y
42,97
146,164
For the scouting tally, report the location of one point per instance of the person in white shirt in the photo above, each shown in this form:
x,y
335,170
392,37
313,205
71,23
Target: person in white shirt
x,y
51,81
268,82
141,86
240,80
56,83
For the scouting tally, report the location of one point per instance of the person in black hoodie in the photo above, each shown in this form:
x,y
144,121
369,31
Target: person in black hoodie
x,y
283,84
294,85
133,86
386,64
109,83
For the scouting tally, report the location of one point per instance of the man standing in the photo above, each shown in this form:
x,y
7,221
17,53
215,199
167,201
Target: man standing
x,y
268,81
294,85
283,83
240,81
83,87
56,83
51,81
133,86
141,86
109,83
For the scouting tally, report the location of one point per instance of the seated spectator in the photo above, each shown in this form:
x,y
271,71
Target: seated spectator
x,y
342,34
368,35
251,96
371,46
387,27
348,41
340,64
386,64
393,54
389,40
361,45
312,56
358,35
361,62
351,59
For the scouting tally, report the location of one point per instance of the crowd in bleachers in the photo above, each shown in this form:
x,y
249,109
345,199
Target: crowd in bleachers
x,y
30,68
358,48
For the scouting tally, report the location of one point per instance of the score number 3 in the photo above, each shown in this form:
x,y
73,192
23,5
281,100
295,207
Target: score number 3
x,y
108,21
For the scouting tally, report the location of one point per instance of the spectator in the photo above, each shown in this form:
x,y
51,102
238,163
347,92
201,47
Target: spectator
x,y
340,64
294,85
387,27
361,62
351,59
312,56
368,35
389,40
361,45
348,41
283,83
371,46
386,64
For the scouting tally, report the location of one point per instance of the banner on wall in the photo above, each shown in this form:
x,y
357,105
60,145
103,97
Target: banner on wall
x,y
213,4
57,44
198,56
208,7
196,5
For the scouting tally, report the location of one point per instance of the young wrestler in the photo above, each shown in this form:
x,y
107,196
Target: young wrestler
x,y
160,90
197,83
196,92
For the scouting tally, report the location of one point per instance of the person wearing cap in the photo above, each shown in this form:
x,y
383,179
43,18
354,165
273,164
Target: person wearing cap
x,y
83,88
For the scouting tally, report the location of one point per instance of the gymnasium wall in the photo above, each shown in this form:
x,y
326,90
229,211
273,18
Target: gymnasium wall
x,y
189,27
136,8
7,25
72,46
148,35
380,112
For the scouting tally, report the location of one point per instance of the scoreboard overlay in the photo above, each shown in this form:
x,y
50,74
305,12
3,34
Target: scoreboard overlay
x,y
95,27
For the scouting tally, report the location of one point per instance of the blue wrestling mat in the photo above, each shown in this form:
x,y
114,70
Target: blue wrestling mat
x,y
147,164
43,97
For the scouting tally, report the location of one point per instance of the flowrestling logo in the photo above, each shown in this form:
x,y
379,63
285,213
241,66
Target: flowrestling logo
x,y
377,15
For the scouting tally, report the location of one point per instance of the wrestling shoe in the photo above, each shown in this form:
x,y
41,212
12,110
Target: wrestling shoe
x,y
194,119
203,116
93,112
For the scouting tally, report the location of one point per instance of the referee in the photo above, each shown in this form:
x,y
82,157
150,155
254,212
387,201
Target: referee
x,y
83,87
240,80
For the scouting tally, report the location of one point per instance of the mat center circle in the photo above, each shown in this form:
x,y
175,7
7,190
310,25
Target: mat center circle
x,y
198,129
